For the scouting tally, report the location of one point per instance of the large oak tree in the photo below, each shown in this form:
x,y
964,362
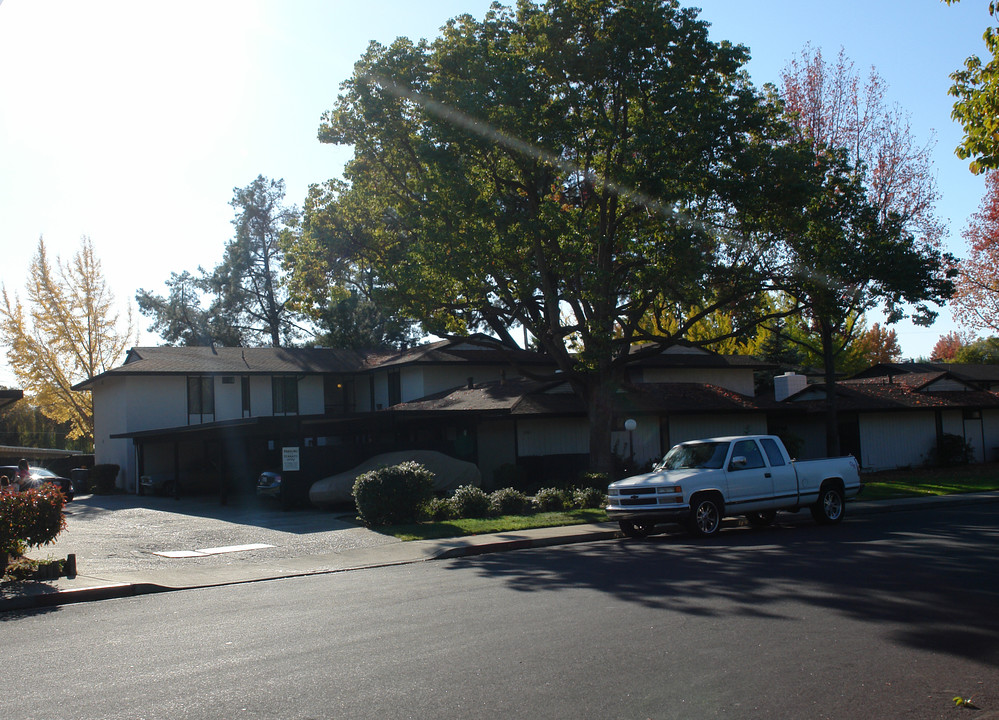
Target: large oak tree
x,y
584,169
597,172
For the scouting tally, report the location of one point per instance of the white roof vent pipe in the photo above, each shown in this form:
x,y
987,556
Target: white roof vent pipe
x,y
788,384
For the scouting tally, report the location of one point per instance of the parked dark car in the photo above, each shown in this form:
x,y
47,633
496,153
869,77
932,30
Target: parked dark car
x,y
269,484
41,475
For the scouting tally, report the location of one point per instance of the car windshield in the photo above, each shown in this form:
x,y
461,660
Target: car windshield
x,y
42,472
695,455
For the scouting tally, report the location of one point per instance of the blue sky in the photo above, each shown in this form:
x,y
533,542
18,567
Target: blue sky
x,y
132,122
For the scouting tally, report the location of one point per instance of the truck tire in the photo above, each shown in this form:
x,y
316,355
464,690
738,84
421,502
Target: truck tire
x,y
635,530
705,515
828,509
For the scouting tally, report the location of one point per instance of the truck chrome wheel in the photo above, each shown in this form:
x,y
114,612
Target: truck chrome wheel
x,y
705,517
829,508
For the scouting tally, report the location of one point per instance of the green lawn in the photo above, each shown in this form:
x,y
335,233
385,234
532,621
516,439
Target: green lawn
x,y
921,482
504,523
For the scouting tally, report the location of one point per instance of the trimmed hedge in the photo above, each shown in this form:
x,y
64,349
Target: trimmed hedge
x,y
393,495
589,497
552,500
30,518
470,502
508,501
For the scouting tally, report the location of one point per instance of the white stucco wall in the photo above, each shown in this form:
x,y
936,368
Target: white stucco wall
x,y
411,385
228,398
737,380
110,417
310,395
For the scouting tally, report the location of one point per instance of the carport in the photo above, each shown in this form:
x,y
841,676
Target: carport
x,y
226,457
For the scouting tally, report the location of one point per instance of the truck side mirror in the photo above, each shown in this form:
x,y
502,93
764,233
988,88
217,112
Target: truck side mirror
x,y
738,462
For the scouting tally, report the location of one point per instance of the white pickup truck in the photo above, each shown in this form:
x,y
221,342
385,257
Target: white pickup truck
x,y
701,481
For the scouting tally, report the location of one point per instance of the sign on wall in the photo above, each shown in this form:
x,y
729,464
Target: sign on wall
x,y
290,459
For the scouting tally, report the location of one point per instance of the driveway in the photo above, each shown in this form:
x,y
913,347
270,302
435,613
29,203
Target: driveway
x,y
116,535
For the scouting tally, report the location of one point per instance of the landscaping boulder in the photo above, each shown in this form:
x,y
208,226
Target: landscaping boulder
x,y
449,474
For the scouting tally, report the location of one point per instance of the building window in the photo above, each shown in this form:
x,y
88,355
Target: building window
x,y
338,394
284,391
244,388
200,395
394,388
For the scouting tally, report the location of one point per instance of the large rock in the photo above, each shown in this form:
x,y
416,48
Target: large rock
x,y
449,473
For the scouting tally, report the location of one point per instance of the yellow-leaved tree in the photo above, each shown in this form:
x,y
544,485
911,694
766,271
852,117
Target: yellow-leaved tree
x,y
68,330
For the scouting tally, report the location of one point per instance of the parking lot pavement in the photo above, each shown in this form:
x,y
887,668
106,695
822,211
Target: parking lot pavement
x,y
115,536
126,545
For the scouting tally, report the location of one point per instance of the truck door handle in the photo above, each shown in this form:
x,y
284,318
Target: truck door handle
x,y
766,475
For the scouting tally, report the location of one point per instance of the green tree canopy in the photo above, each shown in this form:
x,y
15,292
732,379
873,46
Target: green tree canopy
x,y
976,107
984,351
248,301
591,170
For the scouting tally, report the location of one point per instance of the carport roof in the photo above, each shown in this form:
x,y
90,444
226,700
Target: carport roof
x,y
9,397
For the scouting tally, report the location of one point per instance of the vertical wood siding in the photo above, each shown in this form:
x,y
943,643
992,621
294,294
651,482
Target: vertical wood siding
x,y
894,440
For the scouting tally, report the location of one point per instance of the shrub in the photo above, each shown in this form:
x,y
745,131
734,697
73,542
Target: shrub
x,y
30,518
438,509
469,501
598,480
589,497
550,500
393,495
952,450
103,479
508,501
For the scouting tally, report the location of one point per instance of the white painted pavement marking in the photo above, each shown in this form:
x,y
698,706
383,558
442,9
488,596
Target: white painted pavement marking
x,y
211,551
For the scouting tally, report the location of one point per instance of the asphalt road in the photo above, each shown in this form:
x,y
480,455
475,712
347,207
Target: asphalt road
x,y
883,616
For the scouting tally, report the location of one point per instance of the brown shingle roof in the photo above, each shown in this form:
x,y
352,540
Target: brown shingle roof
x,y
904,392
234,360
525,397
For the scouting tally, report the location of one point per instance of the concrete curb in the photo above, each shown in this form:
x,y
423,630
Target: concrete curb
x,y
41,595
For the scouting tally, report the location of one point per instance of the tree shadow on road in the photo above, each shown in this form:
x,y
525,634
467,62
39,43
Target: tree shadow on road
x,y
931,579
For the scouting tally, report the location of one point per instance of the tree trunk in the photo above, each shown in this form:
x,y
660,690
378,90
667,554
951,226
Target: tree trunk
x,y
598,394
832,417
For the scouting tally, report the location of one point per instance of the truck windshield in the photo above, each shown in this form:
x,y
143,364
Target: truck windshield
x,y
695,455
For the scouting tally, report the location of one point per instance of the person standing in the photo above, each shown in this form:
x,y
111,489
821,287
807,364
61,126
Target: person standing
x,y
23,477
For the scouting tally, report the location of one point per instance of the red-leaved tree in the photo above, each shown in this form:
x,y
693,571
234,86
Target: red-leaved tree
x,y
832,106
947,347
976,302
880,345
